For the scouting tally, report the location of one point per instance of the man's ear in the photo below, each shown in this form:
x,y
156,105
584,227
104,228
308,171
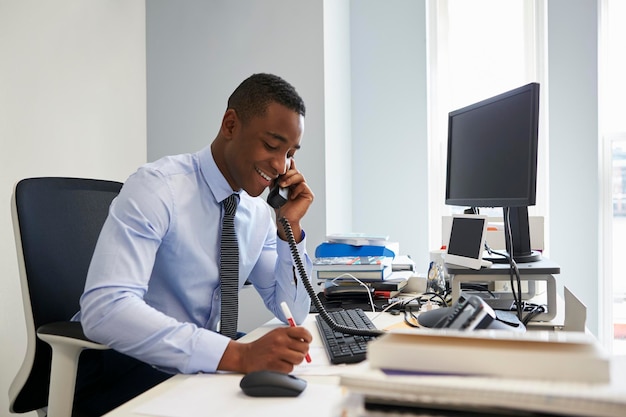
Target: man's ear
x,y
229,123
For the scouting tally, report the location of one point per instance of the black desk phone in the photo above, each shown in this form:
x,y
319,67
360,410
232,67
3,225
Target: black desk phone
x,y
470,312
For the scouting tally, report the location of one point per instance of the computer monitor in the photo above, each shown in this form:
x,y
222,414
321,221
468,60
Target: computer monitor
x,y
492,161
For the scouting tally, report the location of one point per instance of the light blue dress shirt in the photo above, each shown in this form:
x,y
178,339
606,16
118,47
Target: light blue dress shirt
x,y
153,288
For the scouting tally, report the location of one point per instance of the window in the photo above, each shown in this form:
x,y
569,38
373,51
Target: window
x,y
613,134
479,49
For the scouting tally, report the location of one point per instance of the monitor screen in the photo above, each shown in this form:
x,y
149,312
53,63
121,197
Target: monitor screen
x,y
492,161
492,151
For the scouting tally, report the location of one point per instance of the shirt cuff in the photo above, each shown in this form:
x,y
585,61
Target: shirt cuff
x,y
207,352
284,250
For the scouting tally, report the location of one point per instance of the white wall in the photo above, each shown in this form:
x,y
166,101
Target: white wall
x,y
72,103
573,133
337,141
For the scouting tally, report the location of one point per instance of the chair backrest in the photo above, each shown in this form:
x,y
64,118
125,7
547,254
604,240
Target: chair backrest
x,y
56,222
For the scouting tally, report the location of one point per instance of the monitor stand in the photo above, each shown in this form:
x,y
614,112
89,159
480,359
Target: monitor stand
x,y
518,236
533,256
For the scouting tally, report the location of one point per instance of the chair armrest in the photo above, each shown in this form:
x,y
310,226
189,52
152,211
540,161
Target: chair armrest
x,y
67,341
67,332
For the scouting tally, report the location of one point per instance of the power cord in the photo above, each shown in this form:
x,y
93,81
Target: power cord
x,y
514,274
517,297
409,306
533,311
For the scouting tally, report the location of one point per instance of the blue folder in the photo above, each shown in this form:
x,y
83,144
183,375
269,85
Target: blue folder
x,y
328,249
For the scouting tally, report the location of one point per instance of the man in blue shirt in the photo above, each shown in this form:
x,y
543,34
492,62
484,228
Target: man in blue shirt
x,y
153,288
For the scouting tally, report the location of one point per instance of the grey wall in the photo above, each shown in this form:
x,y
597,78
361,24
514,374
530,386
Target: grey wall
x,y
199,51
389,123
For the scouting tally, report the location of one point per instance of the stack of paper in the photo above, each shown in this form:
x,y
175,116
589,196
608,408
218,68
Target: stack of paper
x,y
488,396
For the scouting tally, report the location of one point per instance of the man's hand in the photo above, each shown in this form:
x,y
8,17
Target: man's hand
x,y
279,350
300,199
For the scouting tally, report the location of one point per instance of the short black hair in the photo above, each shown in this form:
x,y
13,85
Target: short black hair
x,y
253,95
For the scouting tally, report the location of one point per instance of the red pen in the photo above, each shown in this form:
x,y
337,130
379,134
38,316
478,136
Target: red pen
x,y
292,323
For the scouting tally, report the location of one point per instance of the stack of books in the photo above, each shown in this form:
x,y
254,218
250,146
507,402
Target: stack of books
x,y
388,288
489,372
364,268
354,271
371,259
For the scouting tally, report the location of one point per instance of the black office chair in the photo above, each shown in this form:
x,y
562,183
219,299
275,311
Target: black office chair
x,y
56,223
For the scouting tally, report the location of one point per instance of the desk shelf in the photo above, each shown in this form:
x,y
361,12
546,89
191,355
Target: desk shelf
x,y
532,272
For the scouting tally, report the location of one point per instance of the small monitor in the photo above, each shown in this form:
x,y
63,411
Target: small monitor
x,y
467,241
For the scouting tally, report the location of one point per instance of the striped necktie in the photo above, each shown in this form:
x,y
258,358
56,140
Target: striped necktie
x,y
229,269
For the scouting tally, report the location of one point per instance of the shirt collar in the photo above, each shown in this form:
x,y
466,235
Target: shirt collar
x,y
213,176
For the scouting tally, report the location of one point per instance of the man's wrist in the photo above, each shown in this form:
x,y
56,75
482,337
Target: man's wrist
x,y
298,234
232,359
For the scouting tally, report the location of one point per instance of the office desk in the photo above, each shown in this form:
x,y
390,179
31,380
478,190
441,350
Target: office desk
x,y
220,395
185,395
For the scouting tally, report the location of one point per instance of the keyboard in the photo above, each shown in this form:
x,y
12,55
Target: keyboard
x,y
345,348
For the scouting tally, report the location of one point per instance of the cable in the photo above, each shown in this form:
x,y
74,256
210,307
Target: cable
x,y
442,301
477,287
309,288
533,310
517,297
367,289
389,307
513,270
408,312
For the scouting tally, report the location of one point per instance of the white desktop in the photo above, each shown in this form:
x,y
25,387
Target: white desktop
x,y
220,394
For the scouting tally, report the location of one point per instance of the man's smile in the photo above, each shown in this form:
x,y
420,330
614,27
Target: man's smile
x,y
264,175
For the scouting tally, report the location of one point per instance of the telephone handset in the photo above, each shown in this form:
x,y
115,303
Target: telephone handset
x,y
278,195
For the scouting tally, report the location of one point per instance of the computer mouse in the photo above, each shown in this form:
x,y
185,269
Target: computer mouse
x,y
271,384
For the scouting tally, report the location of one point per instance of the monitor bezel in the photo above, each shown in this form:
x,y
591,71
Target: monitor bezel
x,y
457,259
529,199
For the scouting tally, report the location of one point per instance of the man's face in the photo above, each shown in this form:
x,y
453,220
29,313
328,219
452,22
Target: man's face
x,y
261,149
